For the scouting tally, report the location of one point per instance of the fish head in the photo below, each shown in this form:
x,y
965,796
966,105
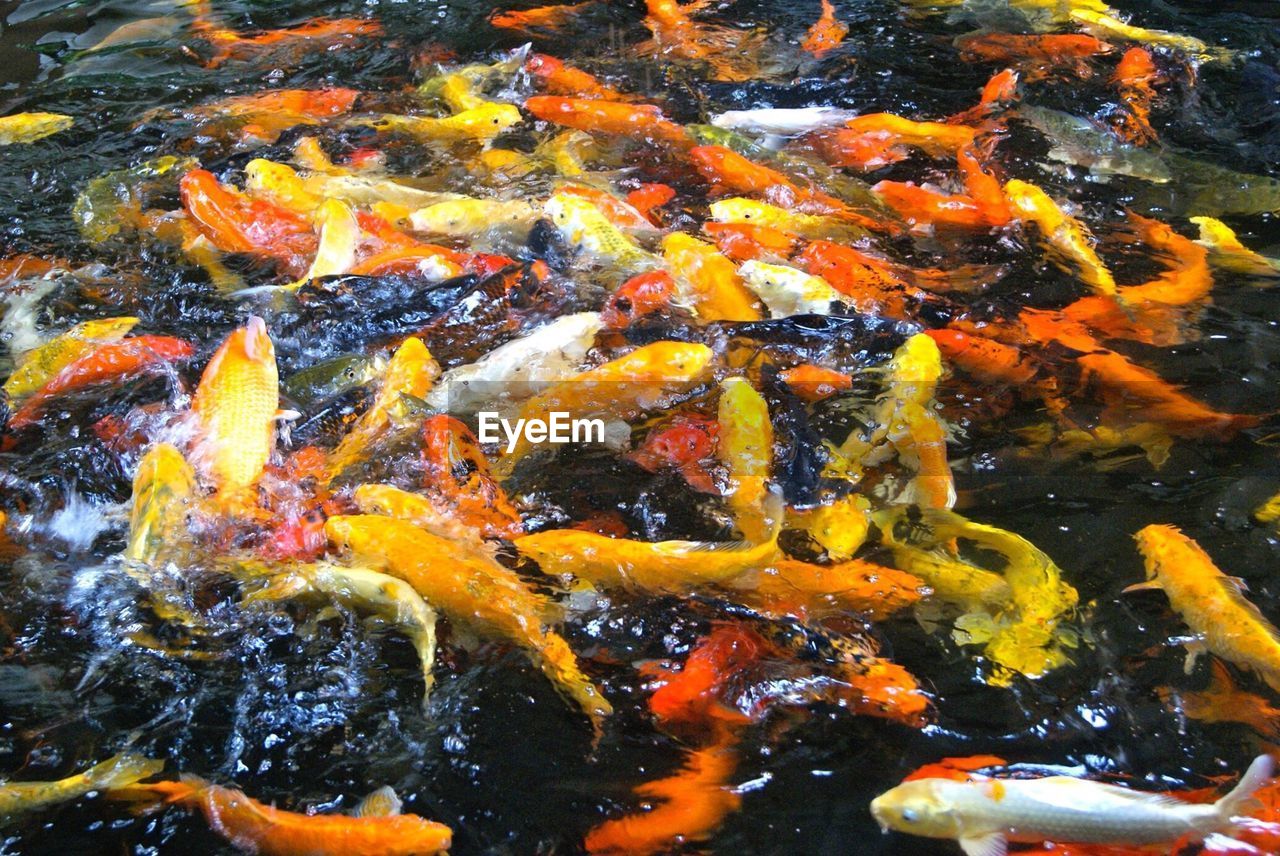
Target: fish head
x,y
737,210
254,343
917,808
491,118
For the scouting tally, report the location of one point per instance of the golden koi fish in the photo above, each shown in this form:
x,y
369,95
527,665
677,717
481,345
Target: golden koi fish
x,y
30,127
1065,235
707,282
19,798
746,450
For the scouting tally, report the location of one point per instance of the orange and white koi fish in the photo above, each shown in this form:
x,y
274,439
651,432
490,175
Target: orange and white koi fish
x,y
826,34
235,408
377,830
873,140
1212,604
236,223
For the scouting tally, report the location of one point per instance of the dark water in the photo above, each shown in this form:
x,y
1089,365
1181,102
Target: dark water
x,y
300,712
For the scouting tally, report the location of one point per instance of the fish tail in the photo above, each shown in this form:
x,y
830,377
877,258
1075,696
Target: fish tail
x,y
558,663
153,795
123,769
1240,800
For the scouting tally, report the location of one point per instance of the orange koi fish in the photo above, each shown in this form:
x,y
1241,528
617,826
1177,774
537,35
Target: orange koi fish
x,y
687,444
729,53
928,210
273,111
691,804
616,118
637,297
1212,604
647,197
984,359
867,281
751,241
983,187
548,19
693,696
1187,278
231,45
1135,78
1223,701
236,223
556,78
809,592
875,140
997,94
730,173
826,34
260,828
1036,56
457,474
109,361
235,407
815,383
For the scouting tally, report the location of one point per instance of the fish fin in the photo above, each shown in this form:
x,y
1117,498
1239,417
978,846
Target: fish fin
x,y
121,770
682,547
991,844
1240,800
1149,585
380,803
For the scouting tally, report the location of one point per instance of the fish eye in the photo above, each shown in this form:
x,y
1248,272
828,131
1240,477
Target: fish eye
x,y
909,815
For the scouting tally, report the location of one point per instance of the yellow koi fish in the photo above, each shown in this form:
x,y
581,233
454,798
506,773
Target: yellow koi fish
x,y
1228,253
411,371
339,238
19,798
40,365
416,508
815,227
840,527
1211,603
163,489
746,450
472,589
625,387
584,226
390,598
479,124
707,282
235,407
1108,26
1065,236
279,183
467,217
30,127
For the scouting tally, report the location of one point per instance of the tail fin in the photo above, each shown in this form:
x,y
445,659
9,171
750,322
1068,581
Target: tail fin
x,y
151,796
123,769
1240,800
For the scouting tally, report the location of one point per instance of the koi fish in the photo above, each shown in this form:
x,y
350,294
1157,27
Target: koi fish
x,y
19,798
787,291
985,359
619,212
650,196
479,124
21,128
707,282
686,443
235,407
783,121
164,488
525,366
743,242
1065,236
614,118
472,589
997,94
642,294
411,371
41,365
1226,251
236,223
751,212
1080,142
692,803
467,218
1111,27
260,828
1134,79
340,235
809,592
813,382
658,567
745,447
392,599
826,34
871,284
624,387
457,475
1223,701
1212,604
231,45
584,226
558,78
551,19
926,210
266,114
983,815
729,53
1035,56
874,140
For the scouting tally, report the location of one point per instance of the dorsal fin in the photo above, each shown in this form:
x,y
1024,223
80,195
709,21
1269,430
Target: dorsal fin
x,y
381,803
